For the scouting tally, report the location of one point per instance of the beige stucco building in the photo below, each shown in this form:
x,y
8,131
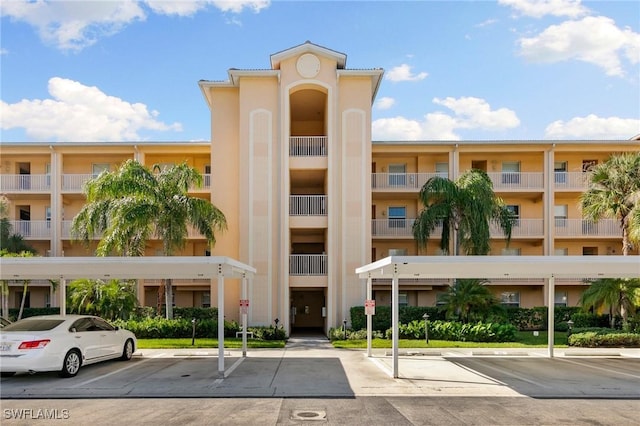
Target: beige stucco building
x,y
309,197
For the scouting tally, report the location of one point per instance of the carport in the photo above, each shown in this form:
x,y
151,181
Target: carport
x,y
157,267
488,267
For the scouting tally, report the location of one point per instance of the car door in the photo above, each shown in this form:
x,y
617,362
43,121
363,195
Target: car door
x,y
110,344
86,338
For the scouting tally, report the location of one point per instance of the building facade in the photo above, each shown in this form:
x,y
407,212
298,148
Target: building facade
x,y
309,197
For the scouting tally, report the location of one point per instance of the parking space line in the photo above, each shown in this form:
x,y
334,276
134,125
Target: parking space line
x,y
86,382
502,371
635,376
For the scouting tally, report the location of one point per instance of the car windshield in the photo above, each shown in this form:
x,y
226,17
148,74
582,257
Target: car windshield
x,y
33,325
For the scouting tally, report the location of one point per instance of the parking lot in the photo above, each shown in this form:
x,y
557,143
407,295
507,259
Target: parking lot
x,y
339,384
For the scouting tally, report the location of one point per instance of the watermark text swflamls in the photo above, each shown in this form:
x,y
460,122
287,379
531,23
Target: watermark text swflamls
x,y
35,414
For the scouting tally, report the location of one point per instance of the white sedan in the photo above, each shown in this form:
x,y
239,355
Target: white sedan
x,y
61,343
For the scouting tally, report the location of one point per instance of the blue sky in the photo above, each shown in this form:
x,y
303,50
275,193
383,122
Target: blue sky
x,y
454,70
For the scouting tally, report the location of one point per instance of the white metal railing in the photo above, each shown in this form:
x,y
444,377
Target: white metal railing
x,y
308,264
521,228
21,183
401,181
308,146
517,180
308,205
32,229
74,182
587,228
570,180
66,232
397,228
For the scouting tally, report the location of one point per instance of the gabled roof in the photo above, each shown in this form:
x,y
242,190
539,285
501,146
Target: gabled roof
x,y
308,47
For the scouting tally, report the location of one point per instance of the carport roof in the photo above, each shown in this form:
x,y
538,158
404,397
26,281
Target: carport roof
x,y
156,267
502,267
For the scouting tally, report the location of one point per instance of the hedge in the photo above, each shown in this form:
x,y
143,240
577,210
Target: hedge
x,y
604,339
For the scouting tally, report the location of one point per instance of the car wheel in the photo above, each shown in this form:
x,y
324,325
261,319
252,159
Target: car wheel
x,y
71,363
7,373
127,351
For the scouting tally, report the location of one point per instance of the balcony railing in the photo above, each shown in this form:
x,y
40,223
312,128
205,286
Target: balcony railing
x,y
401,181
517,180
521,228
308,146
25,183
66,232
570,180
74,182
308,205
587,228
397,228
308,264
32,229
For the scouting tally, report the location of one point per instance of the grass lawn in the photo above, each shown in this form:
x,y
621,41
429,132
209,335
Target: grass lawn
x,y
525,339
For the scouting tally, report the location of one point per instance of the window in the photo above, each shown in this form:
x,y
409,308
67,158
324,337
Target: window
x,y
442,169
511,252
47,172
47,300
510,298
98,168
511,172
101,324
207,176
515,211
82,324
397,252
403,299
397,174
206,299
560,172
587,165
397,217
560,214
47,215
560,298
441,298
589,251
561,252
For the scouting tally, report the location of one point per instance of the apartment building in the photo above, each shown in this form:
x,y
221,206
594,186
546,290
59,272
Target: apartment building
x,y
309,197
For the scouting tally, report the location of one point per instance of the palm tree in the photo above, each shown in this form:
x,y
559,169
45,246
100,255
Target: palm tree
x,y
464,208
618,294
468,298
113,299
134,203
614,192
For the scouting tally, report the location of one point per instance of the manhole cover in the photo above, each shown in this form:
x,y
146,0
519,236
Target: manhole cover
x,y
308,415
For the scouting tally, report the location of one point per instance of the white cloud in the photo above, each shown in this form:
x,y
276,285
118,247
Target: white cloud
x,y
540,8
593,127
385,103
403,73
596,40
468,113
190,7
3,51
77,112
76,24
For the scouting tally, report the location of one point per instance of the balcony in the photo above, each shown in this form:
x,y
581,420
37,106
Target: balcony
x,y
66,232
308,205
308,146
308,264
570,181
605,228
32,229
25,183
517,181
401,181
74,182
523,228
397,228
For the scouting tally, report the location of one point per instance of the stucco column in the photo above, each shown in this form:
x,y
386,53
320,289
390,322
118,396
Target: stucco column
x,y
369,317
394,320
551,321
220,322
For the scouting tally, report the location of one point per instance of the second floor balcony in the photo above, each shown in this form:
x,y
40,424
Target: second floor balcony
x,y
522,228
308,205
609,228
25,183
412,182
308,146
308,264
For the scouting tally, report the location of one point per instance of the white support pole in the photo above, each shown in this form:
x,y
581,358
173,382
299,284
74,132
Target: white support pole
x,y
63,296
369,317
220,322
551,319
394,321
244,317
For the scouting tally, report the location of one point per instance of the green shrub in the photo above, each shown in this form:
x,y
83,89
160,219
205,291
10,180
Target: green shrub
x,y
268,333
382,318
160,328
32,312
339,334
197,313
596,339
457,331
